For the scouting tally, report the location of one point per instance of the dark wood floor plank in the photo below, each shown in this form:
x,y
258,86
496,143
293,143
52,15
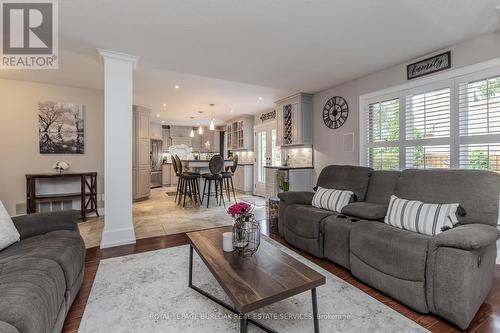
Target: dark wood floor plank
x,y
487,319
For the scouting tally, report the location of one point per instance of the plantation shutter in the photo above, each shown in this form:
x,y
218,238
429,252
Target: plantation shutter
x,y
479,124
383,135
428,129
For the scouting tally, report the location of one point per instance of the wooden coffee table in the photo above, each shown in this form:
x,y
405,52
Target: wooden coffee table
x,y
267,277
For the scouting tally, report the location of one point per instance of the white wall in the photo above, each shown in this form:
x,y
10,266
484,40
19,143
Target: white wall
x,y
328,143
19,135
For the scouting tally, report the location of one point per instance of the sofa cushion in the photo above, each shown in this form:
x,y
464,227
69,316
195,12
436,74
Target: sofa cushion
x,y
306,220
417,216
7,328
32,292
399,253
381,186
331,199
64,247
337,232
476,191
365,210
346,177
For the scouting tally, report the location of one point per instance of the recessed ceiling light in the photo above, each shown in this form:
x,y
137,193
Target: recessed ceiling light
x,y
163,121
176,86
260,98
231,111
158,115
164,105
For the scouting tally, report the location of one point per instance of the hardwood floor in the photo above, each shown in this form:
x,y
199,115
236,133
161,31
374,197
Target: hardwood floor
x,y
486,320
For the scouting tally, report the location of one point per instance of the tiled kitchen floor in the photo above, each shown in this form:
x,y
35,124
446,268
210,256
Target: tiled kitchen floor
x,y
160,215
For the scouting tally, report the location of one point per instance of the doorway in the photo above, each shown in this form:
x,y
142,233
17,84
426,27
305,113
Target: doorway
x,y
267,153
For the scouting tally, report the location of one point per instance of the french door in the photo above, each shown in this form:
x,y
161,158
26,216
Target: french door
x,y
266,153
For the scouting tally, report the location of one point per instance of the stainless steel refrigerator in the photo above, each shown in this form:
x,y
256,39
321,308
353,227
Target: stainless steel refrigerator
x,y
156,160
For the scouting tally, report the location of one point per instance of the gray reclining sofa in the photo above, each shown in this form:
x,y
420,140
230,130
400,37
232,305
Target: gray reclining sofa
x,y
449,274
41,275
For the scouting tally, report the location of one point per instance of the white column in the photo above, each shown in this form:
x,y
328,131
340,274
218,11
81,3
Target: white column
x,y
118,89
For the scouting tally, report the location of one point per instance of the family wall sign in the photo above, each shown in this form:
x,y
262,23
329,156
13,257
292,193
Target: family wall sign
x,y
428,66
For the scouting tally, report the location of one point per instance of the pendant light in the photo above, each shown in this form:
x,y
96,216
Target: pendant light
x,y
200,130
212,125
192,133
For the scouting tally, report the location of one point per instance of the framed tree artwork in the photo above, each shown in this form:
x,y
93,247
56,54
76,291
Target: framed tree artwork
x,y
61,128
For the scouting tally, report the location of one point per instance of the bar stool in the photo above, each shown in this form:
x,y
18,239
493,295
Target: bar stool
x,y
227,177
176,171
188,183
215,165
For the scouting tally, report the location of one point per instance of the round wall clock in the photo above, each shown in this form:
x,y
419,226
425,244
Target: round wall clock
x,y
335,112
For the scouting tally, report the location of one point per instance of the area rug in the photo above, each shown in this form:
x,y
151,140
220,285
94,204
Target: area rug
x,y
148,292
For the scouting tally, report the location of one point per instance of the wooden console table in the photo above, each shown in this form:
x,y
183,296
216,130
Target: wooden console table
x,y
87,194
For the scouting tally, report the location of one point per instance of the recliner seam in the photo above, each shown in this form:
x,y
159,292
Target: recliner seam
x,y
367,264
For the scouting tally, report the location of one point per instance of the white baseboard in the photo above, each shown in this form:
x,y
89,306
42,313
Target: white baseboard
x,y
112,238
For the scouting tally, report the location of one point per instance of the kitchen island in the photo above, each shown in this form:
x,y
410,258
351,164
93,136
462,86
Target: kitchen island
x,y
201,166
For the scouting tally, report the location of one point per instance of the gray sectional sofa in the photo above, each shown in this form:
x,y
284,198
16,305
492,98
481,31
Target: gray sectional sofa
x,y
449,274
41,275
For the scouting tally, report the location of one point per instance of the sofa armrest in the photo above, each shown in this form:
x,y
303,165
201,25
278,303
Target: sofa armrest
x,y
467,237
40,223
296,197
7,328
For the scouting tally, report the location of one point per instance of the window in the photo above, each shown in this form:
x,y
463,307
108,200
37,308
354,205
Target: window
x,y
383,134
427,127
428,115
445,124
479,123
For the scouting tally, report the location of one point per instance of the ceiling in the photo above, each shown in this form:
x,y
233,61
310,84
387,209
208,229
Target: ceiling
x,y
230,52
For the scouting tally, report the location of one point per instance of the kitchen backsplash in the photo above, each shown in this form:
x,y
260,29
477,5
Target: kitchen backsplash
x,y
297,157
245,157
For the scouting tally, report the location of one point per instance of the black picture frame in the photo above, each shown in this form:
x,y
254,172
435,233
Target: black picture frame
x,y
446,65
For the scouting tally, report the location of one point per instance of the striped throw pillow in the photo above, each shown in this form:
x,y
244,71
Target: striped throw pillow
x,y
331,199
424,218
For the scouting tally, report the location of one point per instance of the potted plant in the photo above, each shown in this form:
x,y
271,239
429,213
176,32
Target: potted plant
x,y
60,166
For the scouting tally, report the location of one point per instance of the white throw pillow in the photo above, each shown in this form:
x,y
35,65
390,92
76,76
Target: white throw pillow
x,y
8,232
424,218
331,199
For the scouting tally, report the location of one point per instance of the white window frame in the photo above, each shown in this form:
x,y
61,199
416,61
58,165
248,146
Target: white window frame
x,y
451,79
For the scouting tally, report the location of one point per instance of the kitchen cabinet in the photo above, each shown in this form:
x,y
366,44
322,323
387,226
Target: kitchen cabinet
x,y
243,179
168,174
156,131
294,120
299,179
141,170
180,135
239,133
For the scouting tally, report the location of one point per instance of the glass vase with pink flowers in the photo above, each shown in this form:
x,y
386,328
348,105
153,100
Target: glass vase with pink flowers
x,y
246,231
